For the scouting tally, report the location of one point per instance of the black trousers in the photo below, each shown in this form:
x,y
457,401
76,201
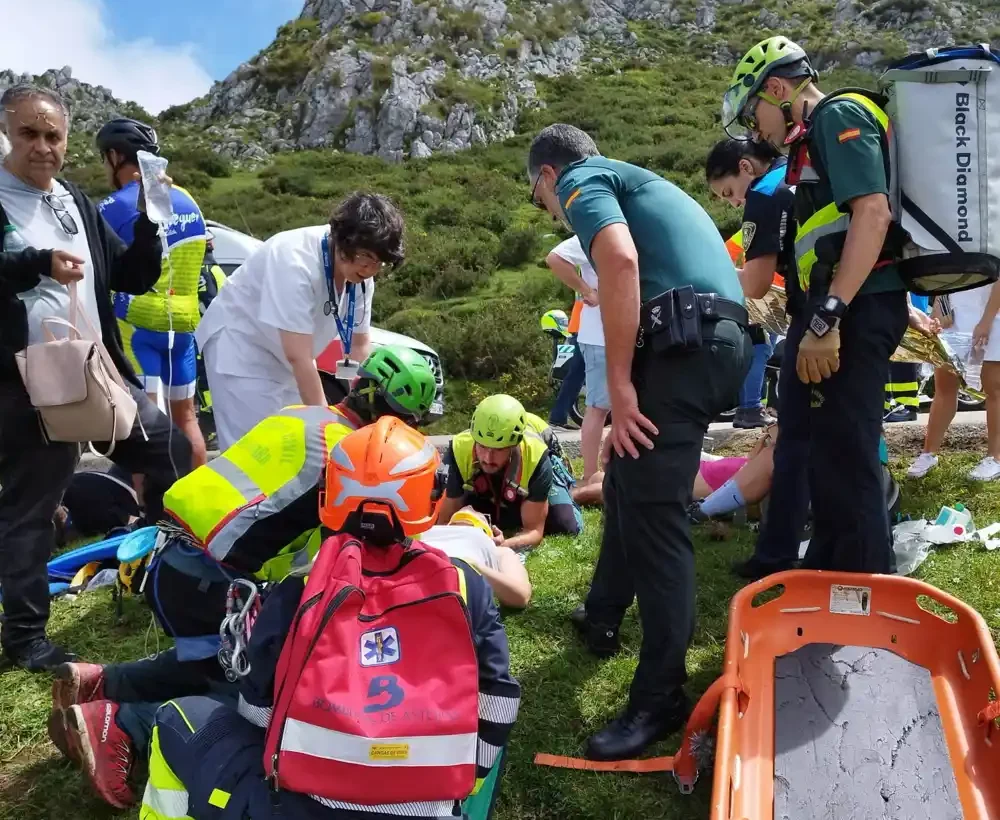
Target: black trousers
x,y
646,552
788,505
841,418
33,476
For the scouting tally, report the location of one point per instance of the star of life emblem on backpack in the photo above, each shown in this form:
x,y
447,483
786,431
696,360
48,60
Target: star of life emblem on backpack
x,y
380,647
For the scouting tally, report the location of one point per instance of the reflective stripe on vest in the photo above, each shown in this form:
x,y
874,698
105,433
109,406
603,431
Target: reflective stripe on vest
x,y
532,448
273,465
165,797
829,220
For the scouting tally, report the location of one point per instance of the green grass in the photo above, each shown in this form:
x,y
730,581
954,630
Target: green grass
x,y
566,693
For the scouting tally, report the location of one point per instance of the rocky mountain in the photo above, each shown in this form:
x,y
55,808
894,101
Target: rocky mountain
x,y
90,105
404,78
408,78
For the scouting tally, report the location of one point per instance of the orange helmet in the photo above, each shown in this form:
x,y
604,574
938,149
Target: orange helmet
x,y
379,481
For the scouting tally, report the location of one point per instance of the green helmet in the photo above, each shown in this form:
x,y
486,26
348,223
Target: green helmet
x,y
498,421
773,57
404,378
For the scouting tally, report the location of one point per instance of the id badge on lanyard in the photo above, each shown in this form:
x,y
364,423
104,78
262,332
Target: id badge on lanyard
x,y
347,369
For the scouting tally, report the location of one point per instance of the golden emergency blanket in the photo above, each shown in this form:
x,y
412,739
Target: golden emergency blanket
x,y
769,313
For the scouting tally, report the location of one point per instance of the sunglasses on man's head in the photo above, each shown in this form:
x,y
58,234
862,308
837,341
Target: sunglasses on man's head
x,y
65,218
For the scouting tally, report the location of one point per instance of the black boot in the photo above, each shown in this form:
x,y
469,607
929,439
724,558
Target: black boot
x,y
629,734
41,655
753,569
600,639
747,418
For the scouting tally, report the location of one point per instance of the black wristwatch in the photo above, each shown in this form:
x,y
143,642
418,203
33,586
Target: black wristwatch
x,y
827,316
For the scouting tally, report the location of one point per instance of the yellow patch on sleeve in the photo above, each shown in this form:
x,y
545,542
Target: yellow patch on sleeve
x,y
571,198
849,134
219,798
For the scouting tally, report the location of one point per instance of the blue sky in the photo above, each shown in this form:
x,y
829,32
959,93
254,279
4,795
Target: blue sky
x,y
158,53
224,32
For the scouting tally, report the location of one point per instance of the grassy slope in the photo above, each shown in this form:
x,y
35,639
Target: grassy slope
x,y
567,694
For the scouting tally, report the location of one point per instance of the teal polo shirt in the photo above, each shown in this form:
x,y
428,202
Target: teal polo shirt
x,y
677,241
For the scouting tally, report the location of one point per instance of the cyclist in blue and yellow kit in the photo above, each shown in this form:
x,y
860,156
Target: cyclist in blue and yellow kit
x,y
158,327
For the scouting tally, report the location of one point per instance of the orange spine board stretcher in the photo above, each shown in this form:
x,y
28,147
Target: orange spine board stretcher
x,y
959,654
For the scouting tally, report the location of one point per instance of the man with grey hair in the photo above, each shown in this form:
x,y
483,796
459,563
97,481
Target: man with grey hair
x,y
40,212
677,352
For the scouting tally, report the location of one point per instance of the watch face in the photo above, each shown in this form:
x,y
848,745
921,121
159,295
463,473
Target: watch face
x,y
831,304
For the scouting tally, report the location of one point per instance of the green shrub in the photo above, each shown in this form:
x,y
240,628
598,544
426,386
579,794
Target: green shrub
x,y
370,19
517,246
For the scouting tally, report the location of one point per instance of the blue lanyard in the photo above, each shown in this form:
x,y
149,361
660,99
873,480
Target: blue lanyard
x,y
346,333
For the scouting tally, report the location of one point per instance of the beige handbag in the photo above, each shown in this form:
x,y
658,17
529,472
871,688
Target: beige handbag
x,y
73,384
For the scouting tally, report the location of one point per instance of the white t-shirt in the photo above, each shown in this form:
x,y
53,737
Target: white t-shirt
x,y
37,224
591,330
468,544
281,286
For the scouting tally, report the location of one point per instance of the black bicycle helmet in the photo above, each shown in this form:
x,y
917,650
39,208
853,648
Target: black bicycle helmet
x,y
127,137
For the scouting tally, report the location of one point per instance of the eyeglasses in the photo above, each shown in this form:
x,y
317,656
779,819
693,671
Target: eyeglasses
x,y
65,218
534,190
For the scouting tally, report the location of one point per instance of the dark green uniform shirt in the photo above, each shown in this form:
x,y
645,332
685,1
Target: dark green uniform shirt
x,y
848,142
677,241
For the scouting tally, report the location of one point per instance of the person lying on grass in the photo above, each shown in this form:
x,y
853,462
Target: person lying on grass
x,y
722,485
469,536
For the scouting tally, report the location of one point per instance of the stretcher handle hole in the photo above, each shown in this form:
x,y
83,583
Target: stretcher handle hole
x,y
765,596
893,639
799,631
935,607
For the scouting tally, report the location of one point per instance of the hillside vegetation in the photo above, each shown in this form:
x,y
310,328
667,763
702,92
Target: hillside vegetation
x,y
474,282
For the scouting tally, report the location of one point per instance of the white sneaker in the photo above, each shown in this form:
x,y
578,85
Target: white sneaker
x,y
987,470
922,465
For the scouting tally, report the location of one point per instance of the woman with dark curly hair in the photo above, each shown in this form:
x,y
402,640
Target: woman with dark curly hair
x,y
290,299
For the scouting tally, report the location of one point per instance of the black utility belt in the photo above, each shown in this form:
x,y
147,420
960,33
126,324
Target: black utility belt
x,y
674,320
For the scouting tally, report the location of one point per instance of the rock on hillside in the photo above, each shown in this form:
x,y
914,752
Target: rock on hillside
x,y
411,77
90,105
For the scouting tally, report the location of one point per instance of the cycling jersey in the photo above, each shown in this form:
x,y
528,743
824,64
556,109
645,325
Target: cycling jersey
x,y
173,302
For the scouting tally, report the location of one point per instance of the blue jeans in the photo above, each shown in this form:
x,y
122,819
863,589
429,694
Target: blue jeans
x,y
753,385
569,392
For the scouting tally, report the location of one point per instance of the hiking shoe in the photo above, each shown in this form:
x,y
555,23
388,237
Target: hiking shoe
x,y
747,418
41,655
77,683
922,465
103,750
901,413
986,470
567,426
600,640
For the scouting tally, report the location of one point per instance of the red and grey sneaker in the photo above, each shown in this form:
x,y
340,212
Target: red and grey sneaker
x,y
103,749
77,683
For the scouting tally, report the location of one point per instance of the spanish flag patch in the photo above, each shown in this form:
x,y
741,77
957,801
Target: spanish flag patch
x,y
571,198
849,134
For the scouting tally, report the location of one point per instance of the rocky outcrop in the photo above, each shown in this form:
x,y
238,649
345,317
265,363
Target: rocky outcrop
x,y
90,105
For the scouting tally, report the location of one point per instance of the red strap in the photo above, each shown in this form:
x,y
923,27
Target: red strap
x,y
991,712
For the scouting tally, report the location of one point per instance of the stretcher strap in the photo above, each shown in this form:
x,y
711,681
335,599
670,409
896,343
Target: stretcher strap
x,y
991,712
653,764
683,764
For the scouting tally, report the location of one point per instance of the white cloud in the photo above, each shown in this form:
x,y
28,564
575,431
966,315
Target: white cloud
x,y
48,34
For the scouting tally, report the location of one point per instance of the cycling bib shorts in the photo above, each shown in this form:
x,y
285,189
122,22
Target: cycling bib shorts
x,y
159,365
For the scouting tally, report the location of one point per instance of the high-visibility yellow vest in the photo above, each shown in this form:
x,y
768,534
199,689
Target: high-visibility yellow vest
x,y
523,463
822,230
234,506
